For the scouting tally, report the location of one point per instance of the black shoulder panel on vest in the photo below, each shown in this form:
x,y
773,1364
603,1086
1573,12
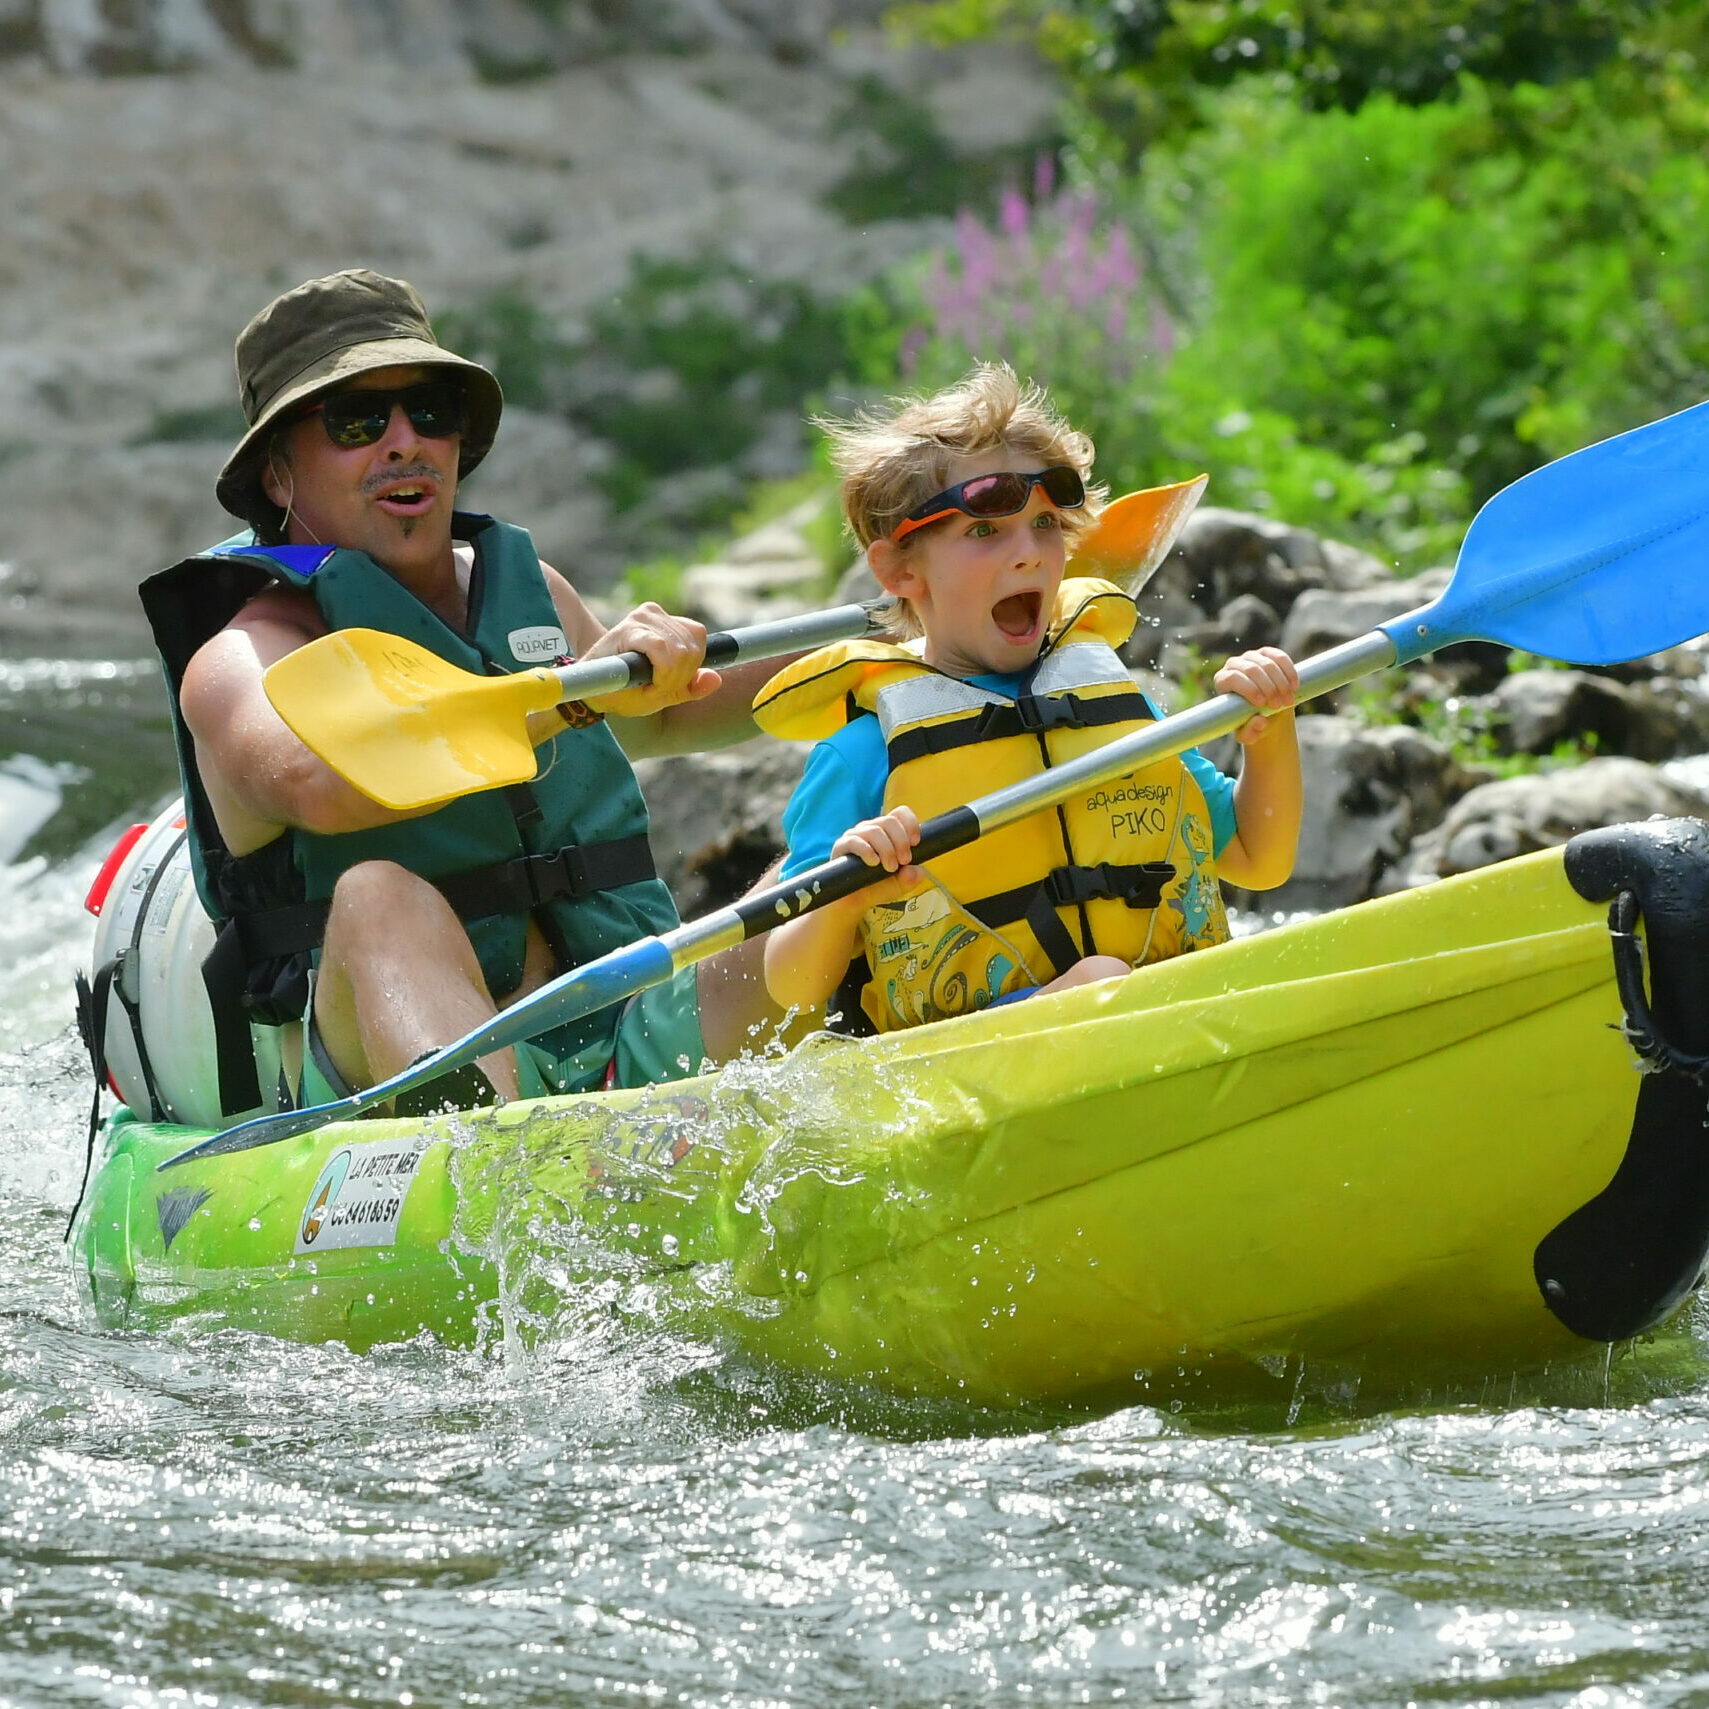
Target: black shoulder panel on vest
x,y
1621,1263
194,600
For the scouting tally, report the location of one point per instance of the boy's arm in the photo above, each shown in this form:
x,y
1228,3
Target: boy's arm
x,y
1268,801
806,958
1268,798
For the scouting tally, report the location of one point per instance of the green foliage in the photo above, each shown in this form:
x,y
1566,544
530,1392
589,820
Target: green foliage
x,y
1505,279
1339,53
681,374
1321,54
905,167
717,350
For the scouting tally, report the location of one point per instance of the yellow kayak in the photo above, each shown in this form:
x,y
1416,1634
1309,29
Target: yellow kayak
x,y
1406,1141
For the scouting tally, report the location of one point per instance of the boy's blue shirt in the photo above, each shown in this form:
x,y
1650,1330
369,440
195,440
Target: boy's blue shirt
x,y
845,777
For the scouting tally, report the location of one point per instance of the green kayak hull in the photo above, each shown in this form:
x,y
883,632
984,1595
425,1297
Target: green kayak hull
x,y
1343,1143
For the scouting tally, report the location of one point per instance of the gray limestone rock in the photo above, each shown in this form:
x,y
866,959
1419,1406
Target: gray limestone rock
x,y
1535,711
1518,815
1368,792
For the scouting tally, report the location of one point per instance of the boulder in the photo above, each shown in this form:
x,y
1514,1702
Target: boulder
x,y
717,819
1368,793
1325,617
1535,711
1245,622
1223,554
1519,815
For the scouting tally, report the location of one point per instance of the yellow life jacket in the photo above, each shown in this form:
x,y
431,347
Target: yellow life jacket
x,y
1124,868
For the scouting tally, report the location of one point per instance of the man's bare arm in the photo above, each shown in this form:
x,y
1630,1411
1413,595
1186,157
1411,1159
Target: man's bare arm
x,y
259,777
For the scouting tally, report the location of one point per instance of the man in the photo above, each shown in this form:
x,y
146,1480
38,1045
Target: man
x,y
419,925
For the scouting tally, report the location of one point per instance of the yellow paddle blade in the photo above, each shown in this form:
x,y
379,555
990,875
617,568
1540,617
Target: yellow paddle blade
x,y
1133,533
406,727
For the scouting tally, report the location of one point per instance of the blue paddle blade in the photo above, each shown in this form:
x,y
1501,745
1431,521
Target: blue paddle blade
x,y
1593,559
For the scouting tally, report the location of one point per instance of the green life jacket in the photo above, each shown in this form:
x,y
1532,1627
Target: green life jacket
x,y
568,850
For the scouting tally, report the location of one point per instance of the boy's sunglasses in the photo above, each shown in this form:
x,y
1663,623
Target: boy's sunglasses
x,y
352,419
997,495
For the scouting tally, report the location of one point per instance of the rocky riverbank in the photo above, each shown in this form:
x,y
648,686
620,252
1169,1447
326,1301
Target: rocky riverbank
x,y
1469,757
169,168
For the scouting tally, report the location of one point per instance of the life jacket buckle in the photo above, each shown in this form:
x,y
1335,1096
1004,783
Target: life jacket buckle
x,y
1140,885
1038,712
550,877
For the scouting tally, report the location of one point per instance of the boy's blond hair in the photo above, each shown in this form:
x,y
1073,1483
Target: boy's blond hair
x,y
893,460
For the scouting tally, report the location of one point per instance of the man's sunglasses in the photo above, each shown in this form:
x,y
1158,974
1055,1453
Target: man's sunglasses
x,y
352,419
996,495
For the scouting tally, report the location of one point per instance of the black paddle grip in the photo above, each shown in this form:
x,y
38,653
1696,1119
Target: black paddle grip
x,y
832,880
723,648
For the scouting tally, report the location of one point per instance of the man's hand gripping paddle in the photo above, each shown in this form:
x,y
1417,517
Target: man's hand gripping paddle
x,y
1593,559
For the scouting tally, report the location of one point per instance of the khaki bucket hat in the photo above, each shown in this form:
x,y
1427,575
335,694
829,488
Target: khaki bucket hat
x,y
320,336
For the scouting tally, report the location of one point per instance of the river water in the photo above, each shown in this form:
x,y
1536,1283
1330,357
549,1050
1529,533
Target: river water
x,y
618,1516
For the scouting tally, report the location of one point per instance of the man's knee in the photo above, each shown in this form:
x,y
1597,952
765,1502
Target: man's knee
x,y
374,886
379,902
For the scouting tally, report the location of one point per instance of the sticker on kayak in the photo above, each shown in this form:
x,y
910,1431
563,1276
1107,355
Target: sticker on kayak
x,y
657,1135
358,1198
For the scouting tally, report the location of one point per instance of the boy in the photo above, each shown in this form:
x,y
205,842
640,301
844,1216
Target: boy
x,y
967,503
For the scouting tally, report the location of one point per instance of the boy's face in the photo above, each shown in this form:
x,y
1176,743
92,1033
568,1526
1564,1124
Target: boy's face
x,y
983,588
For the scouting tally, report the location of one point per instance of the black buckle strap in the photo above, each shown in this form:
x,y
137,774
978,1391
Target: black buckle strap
x,y
1026,716
224,975
1036,712
521,885
1139,886
92,998
506,887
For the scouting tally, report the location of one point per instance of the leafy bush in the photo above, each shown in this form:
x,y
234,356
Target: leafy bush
x,y
1060,289
1507,277
1056,288
696,375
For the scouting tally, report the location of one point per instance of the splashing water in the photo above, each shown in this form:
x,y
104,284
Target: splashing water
x,y
609,1510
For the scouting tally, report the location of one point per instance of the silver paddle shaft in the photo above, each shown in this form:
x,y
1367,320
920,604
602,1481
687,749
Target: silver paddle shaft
x,y
586,679
1202,723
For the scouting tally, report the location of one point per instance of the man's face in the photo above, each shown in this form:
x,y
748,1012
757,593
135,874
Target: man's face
x,y
391,499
